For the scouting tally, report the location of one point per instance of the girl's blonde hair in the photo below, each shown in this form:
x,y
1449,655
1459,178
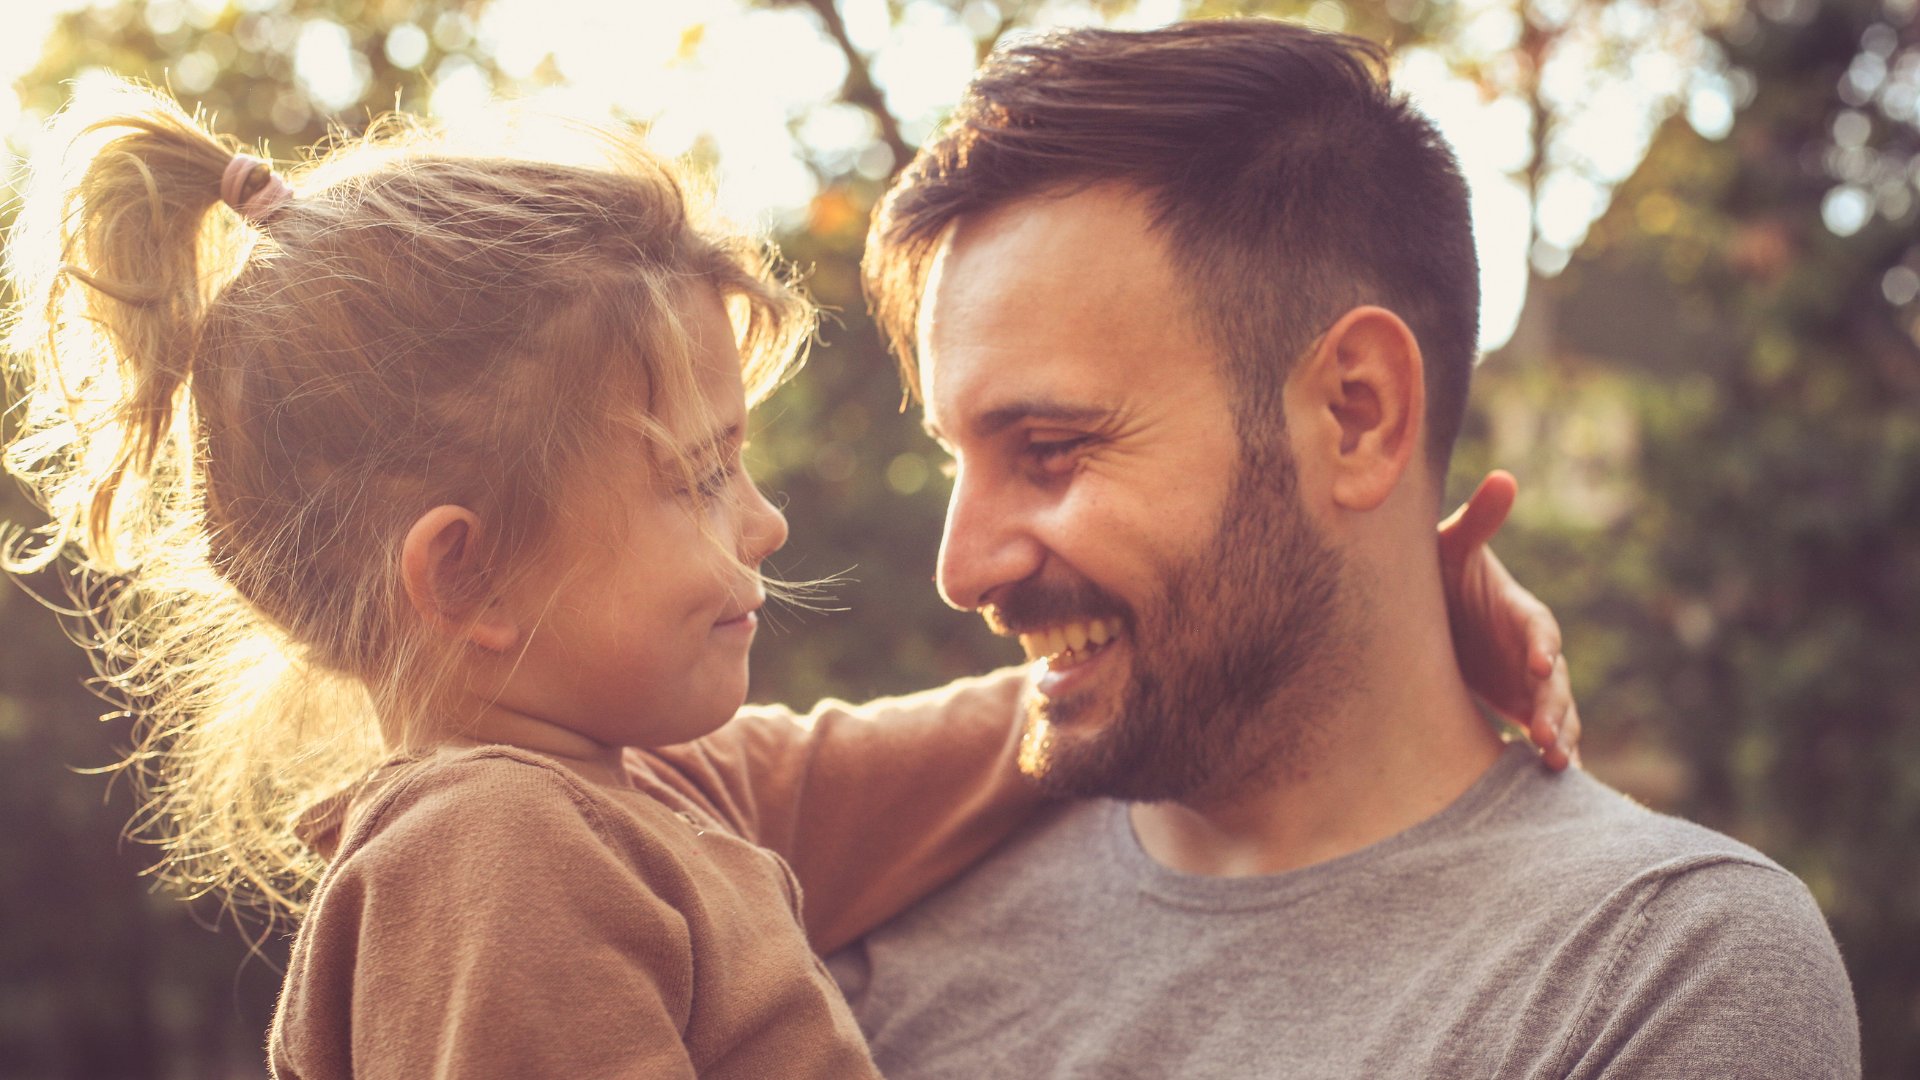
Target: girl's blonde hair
x,y
232,427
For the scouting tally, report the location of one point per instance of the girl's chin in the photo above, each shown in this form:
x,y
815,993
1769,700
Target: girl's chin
x,y
710,717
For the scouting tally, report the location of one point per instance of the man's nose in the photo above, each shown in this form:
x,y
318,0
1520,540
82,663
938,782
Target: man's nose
x,y
986,544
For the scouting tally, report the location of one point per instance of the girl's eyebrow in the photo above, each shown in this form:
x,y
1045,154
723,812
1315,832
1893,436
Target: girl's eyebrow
x,y
725,437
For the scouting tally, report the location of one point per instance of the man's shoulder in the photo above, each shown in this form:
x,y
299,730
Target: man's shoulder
x,y
1642,938
1571,849
1574,823
1684,868
1710,942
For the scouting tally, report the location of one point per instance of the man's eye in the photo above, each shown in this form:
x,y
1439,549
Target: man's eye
x,y
1043,452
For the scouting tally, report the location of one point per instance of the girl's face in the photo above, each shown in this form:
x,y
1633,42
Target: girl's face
x,y
646,624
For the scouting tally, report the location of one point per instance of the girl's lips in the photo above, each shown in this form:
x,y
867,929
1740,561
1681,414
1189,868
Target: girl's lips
x,y
747,617
746,620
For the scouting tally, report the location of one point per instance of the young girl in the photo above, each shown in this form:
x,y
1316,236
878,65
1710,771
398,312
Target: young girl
x,y
411,486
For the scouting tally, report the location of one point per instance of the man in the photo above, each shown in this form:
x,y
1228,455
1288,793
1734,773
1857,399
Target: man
x,y
1194,310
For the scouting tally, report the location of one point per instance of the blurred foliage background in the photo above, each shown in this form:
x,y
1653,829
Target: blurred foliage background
x,y
1711,396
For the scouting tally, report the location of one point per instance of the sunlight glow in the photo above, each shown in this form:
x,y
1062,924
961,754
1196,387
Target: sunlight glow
x,y
327,64
9,119
1491,141
1710,109
927,60
868,23
755,90
698,72
462,94
20,47
406,46
1150,13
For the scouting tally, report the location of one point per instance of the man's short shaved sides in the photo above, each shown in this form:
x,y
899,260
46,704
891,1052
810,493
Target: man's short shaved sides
x,y
1287,178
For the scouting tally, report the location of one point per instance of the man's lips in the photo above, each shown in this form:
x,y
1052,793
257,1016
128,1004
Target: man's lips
x,y
1067,643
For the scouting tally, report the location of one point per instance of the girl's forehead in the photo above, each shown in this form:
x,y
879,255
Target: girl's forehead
x,y
714,360
692,412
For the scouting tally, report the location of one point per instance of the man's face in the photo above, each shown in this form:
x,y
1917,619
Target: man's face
x,y
1103,510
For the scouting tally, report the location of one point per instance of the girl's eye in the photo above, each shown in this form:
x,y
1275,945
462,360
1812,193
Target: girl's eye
x,y
714,483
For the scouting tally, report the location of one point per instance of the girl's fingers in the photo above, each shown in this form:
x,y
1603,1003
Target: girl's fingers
x,y
1570,733
1555,724
1480,517
1543,641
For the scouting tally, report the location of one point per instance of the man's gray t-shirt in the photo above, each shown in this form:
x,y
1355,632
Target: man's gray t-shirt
x,y
1542,925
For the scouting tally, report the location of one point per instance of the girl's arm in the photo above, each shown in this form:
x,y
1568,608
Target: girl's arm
x,y
873,805
876,805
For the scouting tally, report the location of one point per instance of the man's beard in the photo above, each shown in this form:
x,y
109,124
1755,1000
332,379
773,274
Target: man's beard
x,y
1227,665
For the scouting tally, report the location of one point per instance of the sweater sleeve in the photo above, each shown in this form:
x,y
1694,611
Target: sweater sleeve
x,y
478,923
1729,971
873,805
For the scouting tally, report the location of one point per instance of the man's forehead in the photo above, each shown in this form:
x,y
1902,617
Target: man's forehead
x,y
923,316
1037,307
1094,241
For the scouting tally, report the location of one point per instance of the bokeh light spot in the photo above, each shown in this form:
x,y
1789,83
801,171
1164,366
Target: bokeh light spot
x,y
406,46
1845,210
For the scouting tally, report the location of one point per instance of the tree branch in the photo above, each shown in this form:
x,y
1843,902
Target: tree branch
x,y
860,89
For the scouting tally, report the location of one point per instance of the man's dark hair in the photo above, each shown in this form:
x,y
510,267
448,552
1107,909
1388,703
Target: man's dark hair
x,y
1289,181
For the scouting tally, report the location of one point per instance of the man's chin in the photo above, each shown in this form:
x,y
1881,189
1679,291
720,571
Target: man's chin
x,y
1089,748
1057,730
1075,748
1048,758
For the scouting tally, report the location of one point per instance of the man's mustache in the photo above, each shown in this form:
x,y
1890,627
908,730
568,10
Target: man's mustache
x,y
1032,605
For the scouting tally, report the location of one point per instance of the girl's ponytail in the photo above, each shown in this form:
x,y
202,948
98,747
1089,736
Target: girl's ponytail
x,y
116,257
118,254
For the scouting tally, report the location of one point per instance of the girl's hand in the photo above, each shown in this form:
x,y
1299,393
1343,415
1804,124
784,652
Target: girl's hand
x,y
1507,642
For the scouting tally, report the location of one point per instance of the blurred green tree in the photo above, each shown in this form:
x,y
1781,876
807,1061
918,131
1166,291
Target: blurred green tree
x,y
1713,411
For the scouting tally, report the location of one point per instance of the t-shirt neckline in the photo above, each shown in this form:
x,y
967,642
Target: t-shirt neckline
x,y
1211,893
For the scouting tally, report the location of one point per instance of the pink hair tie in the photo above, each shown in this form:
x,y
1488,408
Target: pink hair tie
x,y
261,205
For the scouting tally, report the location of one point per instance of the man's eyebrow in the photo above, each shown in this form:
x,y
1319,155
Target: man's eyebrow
x,y
996,420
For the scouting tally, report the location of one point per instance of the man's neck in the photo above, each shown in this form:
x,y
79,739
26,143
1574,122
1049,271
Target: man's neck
x,y
1389,753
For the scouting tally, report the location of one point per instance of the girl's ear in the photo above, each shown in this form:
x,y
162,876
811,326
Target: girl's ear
x,y
440,565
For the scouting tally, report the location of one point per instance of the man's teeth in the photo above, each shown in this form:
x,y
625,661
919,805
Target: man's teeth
x,y
1070,641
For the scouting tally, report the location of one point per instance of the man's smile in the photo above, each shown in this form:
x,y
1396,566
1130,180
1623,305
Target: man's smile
x,y
1066,644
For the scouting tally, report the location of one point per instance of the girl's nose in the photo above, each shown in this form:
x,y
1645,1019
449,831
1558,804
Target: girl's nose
x,y
764,530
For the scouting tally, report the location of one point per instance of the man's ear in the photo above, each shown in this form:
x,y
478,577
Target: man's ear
x,y
441,568
1364,388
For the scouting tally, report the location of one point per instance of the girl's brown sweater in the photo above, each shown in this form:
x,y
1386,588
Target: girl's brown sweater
x,y
490,912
